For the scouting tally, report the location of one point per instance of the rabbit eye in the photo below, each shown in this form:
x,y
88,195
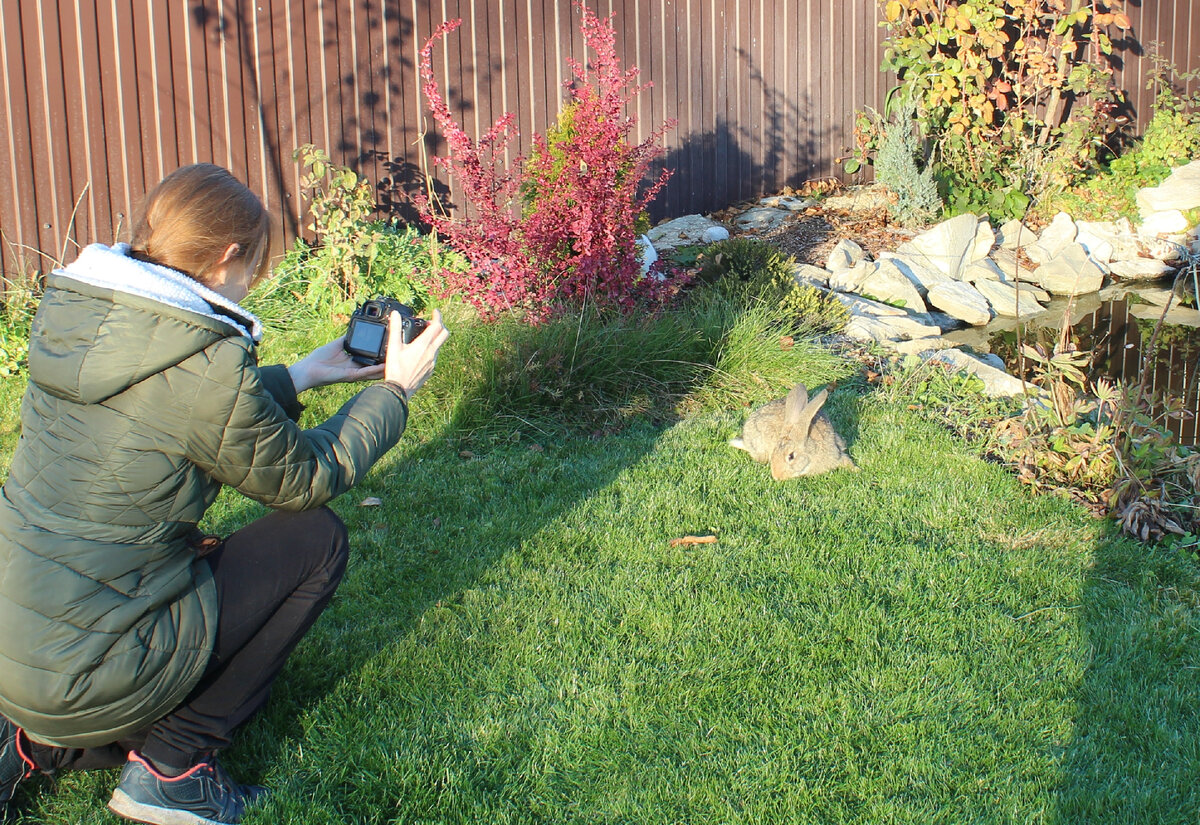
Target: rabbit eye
x,y
791,457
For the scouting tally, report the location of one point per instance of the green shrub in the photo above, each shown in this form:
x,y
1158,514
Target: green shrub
x,y
750,272
917,199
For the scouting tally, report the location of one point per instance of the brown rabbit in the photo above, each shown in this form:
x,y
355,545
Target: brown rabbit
x,y
795,436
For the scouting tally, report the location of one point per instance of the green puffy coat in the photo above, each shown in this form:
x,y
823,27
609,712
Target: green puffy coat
x,y
136,413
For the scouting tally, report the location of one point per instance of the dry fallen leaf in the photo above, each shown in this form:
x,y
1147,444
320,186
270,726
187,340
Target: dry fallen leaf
x,y
787,342
370,501
466,454
689,540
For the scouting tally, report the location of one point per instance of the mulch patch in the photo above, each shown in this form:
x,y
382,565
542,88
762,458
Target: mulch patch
x,y
810,236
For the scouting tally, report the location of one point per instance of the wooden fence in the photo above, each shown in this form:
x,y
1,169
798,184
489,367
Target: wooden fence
x,y
101,98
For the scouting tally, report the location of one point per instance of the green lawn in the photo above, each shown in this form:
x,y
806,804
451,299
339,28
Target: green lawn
x,y
921,641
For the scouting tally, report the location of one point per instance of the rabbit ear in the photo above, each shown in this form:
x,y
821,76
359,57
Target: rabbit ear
x,y
799,411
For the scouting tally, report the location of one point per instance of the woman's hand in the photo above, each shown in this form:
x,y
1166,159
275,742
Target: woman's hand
x,y
409,365
330,364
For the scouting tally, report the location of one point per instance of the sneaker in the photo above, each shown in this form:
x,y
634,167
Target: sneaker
x,y
15,764
204,795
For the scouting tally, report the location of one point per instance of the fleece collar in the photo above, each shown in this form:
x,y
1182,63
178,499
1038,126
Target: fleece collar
x,y
112,268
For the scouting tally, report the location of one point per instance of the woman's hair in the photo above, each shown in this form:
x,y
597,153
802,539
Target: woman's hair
x,y
194,215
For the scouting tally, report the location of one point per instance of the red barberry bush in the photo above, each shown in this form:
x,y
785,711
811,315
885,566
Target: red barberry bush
x,y
555,231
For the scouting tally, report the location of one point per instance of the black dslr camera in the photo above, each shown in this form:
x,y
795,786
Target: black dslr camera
x,y
367,335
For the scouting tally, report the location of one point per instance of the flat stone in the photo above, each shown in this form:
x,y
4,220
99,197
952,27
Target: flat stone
x,y
985,270
1158,297
951,245
996,382
1010,265
1182,316
883,281
788,202
860,198
1070,272
917,271
962,301
1014,234
685,231
1180,191
1054,239
1140,269
918,346
1007,300
807,274
845,255
858,305
1108,240
761,218
887,328
1167,222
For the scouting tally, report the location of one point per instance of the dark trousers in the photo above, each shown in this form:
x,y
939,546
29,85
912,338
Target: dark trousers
x,y
274,577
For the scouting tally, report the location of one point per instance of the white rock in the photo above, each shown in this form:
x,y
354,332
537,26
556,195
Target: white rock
x,y
684,231
916,270
887,328
845,255
1141,269
951,245
649,255
1158,297
882,281
714,234
1180,191
1014,235
1008,301
1070,272
858,305
1119,236
1183,316
985,270
1009,264
787,202
996,382
762,218
810,275
849,280
962,301
1167,222
985,240
1054,239
917,346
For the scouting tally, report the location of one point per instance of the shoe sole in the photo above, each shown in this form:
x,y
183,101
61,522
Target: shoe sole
x,y
125,806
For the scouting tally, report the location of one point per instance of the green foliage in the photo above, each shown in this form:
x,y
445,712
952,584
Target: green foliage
x,y
750,272
917,199
1014,95
340,203
940,394
1171,137
18,302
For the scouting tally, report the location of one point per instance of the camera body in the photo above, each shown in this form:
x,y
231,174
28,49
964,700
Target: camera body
x,y
367,333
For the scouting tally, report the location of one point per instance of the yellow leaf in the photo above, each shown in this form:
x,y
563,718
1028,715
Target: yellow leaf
x,y
893,10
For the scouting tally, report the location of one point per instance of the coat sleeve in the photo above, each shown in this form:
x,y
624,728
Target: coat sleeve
x,y
240,435
278,382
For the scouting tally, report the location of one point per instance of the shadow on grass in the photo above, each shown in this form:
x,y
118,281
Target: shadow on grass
x,y
1134,755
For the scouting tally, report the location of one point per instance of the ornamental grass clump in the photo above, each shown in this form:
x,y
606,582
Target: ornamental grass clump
x,y
555,231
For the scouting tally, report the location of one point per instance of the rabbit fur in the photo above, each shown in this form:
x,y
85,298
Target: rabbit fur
x,y
795,436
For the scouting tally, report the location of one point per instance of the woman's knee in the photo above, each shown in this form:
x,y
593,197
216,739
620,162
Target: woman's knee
x,y
334,537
